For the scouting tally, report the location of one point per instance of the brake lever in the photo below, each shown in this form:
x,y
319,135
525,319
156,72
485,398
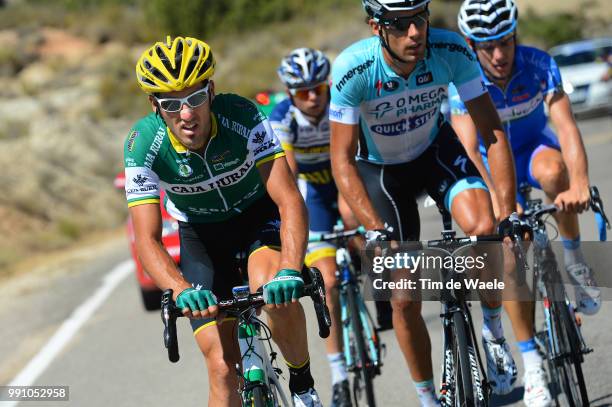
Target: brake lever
x,y
597,205
169,320
317,295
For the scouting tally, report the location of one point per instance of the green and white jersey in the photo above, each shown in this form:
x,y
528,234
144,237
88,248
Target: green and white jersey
x,y
212,187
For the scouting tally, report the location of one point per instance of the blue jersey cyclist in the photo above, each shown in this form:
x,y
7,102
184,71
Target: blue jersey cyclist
x,y
302,125
389,143
521,80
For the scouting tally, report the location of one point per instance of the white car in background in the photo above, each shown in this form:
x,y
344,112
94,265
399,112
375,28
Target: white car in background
x,y
586,70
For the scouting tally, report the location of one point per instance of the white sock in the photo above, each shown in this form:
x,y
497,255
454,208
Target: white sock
x,y
337,366
427,393
531,356
492,328
572,253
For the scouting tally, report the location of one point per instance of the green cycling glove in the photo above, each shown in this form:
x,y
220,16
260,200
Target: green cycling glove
x,y
195,300
286,285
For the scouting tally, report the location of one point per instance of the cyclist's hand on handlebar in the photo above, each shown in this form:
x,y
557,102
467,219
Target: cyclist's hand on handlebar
x,y
575,199
512,227
375,237
286,286
197,303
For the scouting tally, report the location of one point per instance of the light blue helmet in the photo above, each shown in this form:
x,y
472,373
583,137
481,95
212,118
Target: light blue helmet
x,y
378,8
487,20
303,67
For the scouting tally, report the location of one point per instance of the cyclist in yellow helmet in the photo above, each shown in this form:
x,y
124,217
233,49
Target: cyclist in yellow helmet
x,y
228,184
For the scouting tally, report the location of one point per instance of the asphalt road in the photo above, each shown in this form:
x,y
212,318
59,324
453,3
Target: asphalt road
x,y
110,351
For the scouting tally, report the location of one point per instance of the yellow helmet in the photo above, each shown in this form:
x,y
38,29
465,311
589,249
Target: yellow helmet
x,y
174,65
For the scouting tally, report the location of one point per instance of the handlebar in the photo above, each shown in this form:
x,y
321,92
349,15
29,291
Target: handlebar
x,y
315,290
596,205
326,237
461,241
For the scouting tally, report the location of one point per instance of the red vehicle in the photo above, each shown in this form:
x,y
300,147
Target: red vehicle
x,y
151,294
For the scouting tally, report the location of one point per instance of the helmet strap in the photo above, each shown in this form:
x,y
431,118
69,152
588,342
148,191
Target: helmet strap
x,y
385,43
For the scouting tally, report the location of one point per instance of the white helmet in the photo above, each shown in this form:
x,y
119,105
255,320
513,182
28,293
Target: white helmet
x,y
378,8
486,20
303,67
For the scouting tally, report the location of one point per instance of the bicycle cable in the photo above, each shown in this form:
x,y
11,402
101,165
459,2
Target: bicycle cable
x,y
553,226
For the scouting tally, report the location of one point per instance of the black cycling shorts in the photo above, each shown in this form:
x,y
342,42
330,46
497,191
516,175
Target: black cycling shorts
x,y
443,171
210,252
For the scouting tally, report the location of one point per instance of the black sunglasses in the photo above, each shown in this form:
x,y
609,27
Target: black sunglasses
x,y
404,23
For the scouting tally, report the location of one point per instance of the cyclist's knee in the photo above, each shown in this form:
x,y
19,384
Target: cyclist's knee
x,y
479,226
221,367
283,313
552,177
328,268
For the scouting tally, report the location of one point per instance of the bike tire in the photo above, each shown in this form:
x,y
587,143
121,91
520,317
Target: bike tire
x,y
468,385
259,398
573,384
464,388
365,371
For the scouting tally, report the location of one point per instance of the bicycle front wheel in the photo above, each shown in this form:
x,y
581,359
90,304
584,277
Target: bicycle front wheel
x,y
568,366
363,366
258,397
468,388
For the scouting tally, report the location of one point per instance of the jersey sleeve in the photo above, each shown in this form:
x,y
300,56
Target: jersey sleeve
x,y
281,126
553,82
347,88
141,181
263,143
466,74
457,107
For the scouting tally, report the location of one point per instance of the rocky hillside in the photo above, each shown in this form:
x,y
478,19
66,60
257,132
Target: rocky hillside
x,y
59,147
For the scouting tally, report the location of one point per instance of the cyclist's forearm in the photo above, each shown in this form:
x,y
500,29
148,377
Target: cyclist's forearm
x,y
572,147
501,164
574,156
294,232
158,263
353,190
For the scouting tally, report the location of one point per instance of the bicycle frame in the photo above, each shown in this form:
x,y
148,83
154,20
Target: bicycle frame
x,y
561,337
257,372
455,303
547,279
350,281
257,369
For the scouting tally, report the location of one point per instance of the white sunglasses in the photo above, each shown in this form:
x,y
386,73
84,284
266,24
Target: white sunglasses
x,y
173,105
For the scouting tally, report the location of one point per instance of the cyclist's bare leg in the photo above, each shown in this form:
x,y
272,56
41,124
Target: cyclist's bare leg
x,y
221,352
284,322
473,212
412,337
327,266
550,171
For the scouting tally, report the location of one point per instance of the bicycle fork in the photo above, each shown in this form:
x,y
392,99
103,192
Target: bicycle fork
x,y
256,368
372,340
447,381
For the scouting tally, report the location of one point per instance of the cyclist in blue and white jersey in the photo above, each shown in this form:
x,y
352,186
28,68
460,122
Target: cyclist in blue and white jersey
x,y
302,125
521,80
389,143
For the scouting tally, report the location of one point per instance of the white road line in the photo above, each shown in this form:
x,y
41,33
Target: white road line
x,y
70,327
